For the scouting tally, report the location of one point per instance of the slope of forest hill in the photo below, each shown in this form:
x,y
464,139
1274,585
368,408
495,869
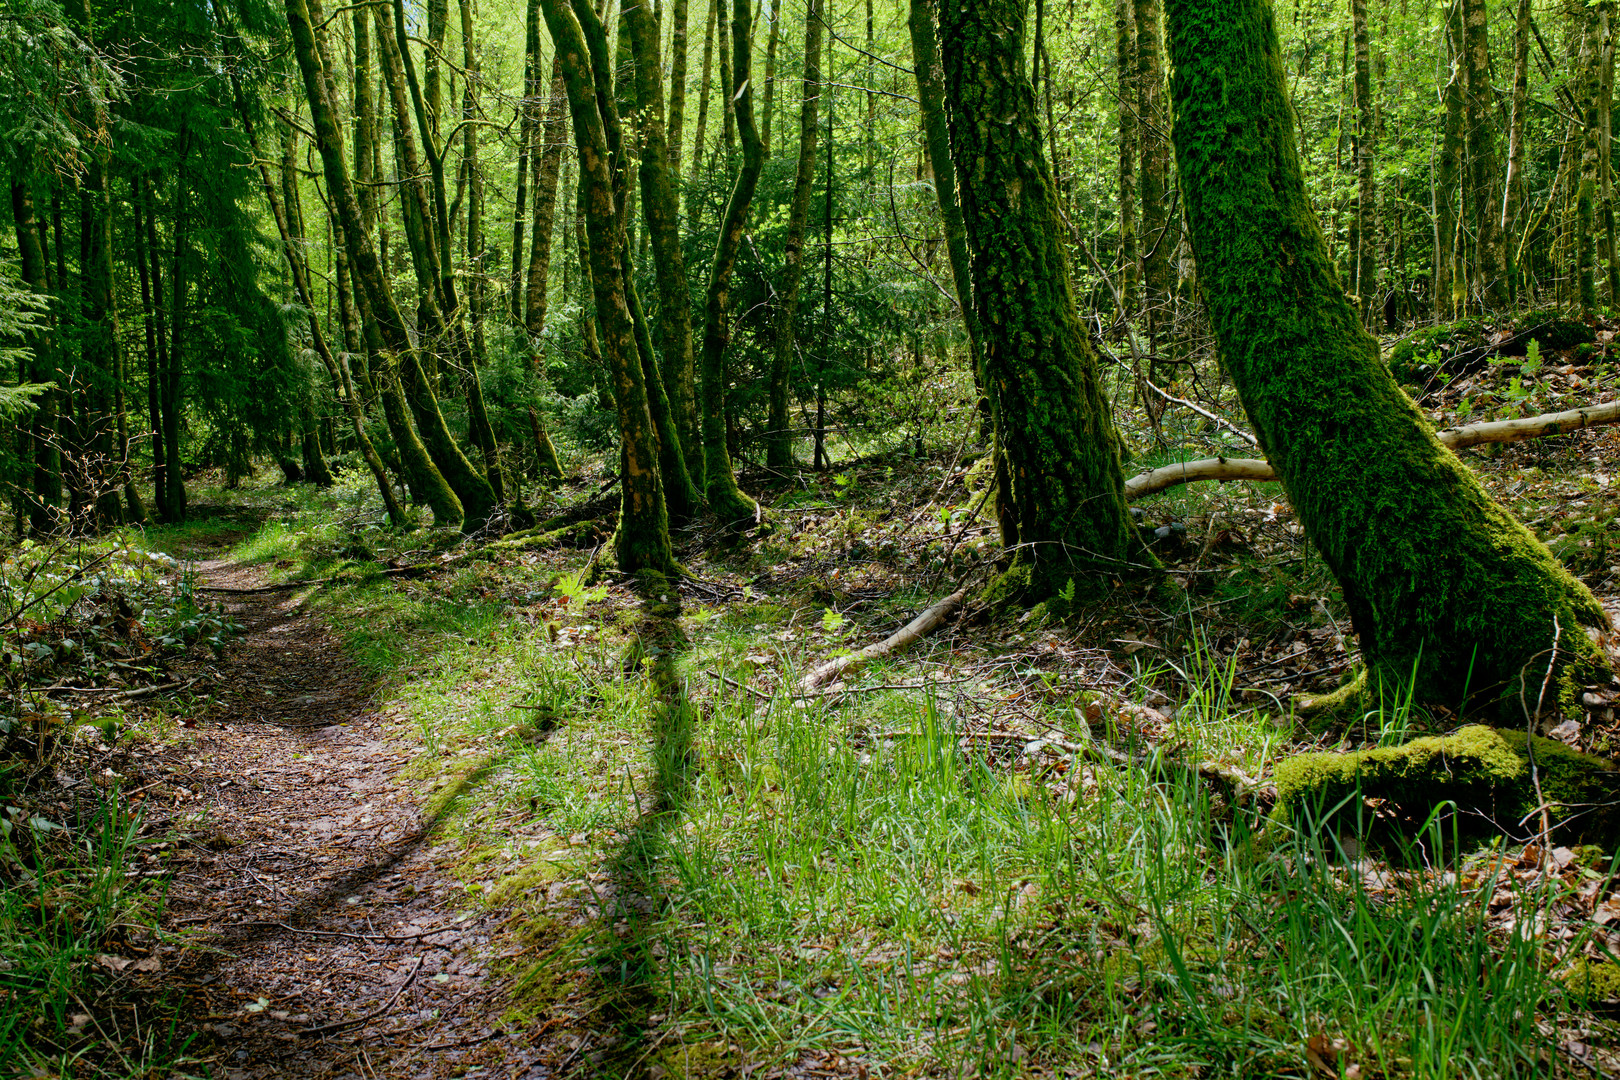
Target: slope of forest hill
x,y
418,803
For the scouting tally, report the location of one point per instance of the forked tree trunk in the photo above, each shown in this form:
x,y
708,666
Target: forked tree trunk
x,y
1442,584
386,337
642,538
1062,450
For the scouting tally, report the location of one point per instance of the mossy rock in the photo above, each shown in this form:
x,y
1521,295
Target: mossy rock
x,y
1484,771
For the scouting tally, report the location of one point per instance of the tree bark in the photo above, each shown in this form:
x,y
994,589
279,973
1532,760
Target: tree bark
x,y
1448,592
660,209
677,86
1153,124
729,504
1481,121
642,538
770,74
527,136
1586,189
1513,185
1125,63
1450,279
545,210
779,440
703,100
1062,450
1366,229
386,335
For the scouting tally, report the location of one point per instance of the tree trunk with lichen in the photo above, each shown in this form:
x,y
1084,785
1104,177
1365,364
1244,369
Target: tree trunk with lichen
x,y
660,212
642,538
729,504
1443,585
1055,426
386,338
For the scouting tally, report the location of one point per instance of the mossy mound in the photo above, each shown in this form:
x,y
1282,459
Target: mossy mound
x,y
1484,771
1593,982
1466,345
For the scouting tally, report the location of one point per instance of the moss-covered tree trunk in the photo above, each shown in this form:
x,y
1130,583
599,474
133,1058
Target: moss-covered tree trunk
x,y
660,211
703,96
1437,577
779,440
1062,450
528,136
642,538
546,168
385,333
937,147
1513,186
725,499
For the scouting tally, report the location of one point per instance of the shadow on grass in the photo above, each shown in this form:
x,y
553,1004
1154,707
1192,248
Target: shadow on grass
x,y
627,970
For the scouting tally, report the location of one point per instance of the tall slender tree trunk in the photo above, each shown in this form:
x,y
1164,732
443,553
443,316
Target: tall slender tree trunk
x,y
698,154
1056,429
1153,129
1605,99
1481,122
1450,278
1513,185
937,145
174,480
1442,584
1125,65
527,137
545,209
1586,188
47,477
724,31
779,440
770,74
1365,240
642,538
729,504
660,208
386,335
677,84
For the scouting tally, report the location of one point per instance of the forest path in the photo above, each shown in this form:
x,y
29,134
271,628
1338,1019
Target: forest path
x,y
326,942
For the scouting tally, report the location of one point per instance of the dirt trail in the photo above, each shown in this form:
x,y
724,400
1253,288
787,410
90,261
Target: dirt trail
x,y
328,941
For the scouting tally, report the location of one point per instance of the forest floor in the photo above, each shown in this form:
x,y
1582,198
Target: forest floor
x,y
447,808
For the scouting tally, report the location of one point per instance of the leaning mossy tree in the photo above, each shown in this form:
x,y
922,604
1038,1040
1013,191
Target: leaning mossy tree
x,y
1443,585
642,539
1067,486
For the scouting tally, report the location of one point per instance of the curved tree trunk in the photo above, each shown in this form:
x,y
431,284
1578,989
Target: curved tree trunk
x,y
729,504
1062,450
384,327
1442,583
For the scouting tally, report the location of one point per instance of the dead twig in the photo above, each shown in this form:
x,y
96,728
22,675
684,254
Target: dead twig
x,y
327,1029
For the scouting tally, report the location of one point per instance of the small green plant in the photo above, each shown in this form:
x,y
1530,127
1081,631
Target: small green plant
x,y
573,590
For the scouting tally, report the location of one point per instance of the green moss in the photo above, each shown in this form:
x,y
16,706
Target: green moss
x,y
1484,771
690,1061
1592,981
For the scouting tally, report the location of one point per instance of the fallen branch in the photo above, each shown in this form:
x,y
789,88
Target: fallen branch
x,y
1456,438
912,632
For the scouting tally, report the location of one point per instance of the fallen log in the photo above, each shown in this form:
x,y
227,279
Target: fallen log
x,y
1457,438
913,631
